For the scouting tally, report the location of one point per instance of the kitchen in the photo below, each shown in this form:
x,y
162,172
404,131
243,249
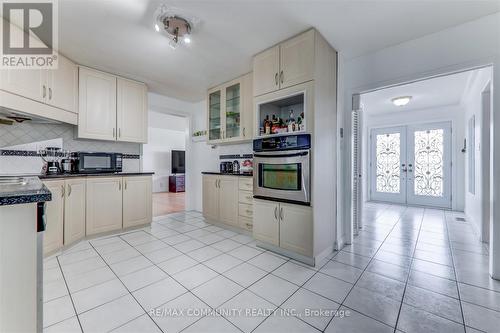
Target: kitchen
x,y
265,230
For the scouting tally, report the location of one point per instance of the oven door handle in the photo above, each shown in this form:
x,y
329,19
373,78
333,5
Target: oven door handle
x,y
282,155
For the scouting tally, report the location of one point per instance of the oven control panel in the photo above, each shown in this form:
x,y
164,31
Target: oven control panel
x,y
285,142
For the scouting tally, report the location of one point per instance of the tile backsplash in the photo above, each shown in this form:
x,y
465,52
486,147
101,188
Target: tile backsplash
x,y
33,136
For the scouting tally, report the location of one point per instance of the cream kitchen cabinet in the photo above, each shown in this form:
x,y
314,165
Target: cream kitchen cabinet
x,y
287,226
62,85
97,105
111,108
132,111
74,210
53,236
104,204
137,201
284,65
220,198
230,111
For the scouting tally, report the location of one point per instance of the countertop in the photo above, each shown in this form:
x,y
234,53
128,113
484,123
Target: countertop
x,y
22,190
104,174
227,174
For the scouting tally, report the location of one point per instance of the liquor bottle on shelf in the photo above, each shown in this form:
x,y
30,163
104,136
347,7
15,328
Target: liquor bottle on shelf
x,y
267,125
291,122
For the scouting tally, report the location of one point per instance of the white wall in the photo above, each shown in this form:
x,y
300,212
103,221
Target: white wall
x,y
452,113
477,203
469,45
165,133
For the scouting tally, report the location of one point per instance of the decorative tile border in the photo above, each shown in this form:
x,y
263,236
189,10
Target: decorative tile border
x,y
32,153
235,156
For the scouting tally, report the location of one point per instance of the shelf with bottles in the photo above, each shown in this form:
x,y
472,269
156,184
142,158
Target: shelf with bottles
x,y
282,116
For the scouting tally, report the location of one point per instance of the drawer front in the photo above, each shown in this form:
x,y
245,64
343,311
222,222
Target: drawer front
x,y
246,223
246,183
246,197
245,210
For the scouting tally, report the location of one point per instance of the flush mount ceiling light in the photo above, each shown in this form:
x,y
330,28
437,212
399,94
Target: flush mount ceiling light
x,y
175,24
401,101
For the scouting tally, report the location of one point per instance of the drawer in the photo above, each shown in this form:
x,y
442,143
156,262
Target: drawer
x,y
245,197
246,183
245,223
245,210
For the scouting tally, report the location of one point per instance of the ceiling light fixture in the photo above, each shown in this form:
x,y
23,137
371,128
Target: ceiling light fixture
x,y
401,101
177,26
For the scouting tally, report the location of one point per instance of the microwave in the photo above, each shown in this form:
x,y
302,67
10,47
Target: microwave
x,y
89,162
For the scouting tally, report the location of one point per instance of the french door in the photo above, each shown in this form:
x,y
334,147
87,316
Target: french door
x,y
411,165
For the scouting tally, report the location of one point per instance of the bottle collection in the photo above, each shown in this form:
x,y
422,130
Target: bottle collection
x,y
277,125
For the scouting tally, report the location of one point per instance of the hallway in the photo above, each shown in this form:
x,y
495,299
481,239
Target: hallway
x,y
420,270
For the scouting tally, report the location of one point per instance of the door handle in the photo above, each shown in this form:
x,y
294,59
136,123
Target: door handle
x,y
276,212
281,213
69,190
276,78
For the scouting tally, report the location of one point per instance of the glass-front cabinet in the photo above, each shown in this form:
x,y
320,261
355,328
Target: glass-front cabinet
x,y
230,114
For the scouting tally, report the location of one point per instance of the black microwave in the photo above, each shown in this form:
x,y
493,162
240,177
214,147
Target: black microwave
x,y
99,162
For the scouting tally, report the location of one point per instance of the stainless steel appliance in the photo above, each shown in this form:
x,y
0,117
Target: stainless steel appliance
x,y
282,168
226,167
52,157
99,162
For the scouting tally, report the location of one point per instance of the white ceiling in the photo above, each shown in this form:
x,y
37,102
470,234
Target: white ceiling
x,y
118,35
431,93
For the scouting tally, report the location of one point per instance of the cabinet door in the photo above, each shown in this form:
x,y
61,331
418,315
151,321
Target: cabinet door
x,y
211,197
97,105
228,200
266,71
104,204
54,214
247,110
297,60
137,201
266,227
232,111
74,210
214,120
296,229
132,112
63,85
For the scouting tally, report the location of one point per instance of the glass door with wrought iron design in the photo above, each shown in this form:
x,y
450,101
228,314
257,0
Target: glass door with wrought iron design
x,y
214,118
429,165
412,165
232,112
388,155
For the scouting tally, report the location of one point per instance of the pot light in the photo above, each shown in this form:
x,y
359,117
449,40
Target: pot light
x,y
157,28
187,40
401,101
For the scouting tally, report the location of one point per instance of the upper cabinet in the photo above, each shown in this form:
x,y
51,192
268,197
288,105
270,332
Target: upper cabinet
x,y
132,111
229,106
62,85
284,65
111,108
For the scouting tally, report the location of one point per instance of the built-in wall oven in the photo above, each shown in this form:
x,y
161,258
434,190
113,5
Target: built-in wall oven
x,y
282,168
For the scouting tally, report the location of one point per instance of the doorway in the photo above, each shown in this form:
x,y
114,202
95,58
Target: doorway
x,y
411,164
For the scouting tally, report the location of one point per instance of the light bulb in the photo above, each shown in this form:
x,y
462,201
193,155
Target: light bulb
x,y
157,28
401,101
187,40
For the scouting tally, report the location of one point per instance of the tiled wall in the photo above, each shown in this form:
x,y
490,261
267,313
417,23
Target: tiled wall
x,y
29,132
34,136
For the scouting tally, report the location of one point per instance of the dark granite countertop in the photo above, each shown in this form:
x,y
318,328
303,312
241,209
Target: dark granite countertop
x,y
227,174
22,190
104,174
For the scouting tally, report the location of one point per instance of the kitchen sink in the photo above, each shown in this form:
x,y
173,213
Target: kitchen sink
x,y
19,184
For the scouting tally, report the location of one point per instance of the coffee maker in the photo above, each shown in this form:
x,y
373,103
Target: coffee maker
x,y
52,157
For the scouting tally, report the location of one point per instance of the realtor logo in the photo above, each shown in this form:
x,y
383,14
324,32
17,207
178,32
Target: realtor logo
x,y
29,34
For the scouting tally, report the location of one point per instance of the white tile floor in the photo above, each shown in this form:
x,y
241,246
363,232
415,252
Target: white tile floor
x,y
409,270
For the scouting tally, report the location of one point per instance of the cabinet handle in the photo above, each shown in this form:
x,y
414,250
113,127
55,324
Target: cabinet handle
x,y
249,225
243,131
216,183
276,212
69,190
114,132
44,91
276,78
119,132
281,77
63,190
249,198
125,183
119,186
50,93
281,213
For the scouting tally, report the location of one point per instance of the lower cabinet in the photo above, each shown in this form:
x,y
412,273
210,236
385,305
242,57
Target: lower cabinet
x,y
53,236
137,201
104,204
285,225
74,210
211,197
228,200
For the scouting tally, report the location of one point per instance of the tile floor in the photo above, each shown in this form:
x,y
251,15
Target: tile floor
x,y
409,270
